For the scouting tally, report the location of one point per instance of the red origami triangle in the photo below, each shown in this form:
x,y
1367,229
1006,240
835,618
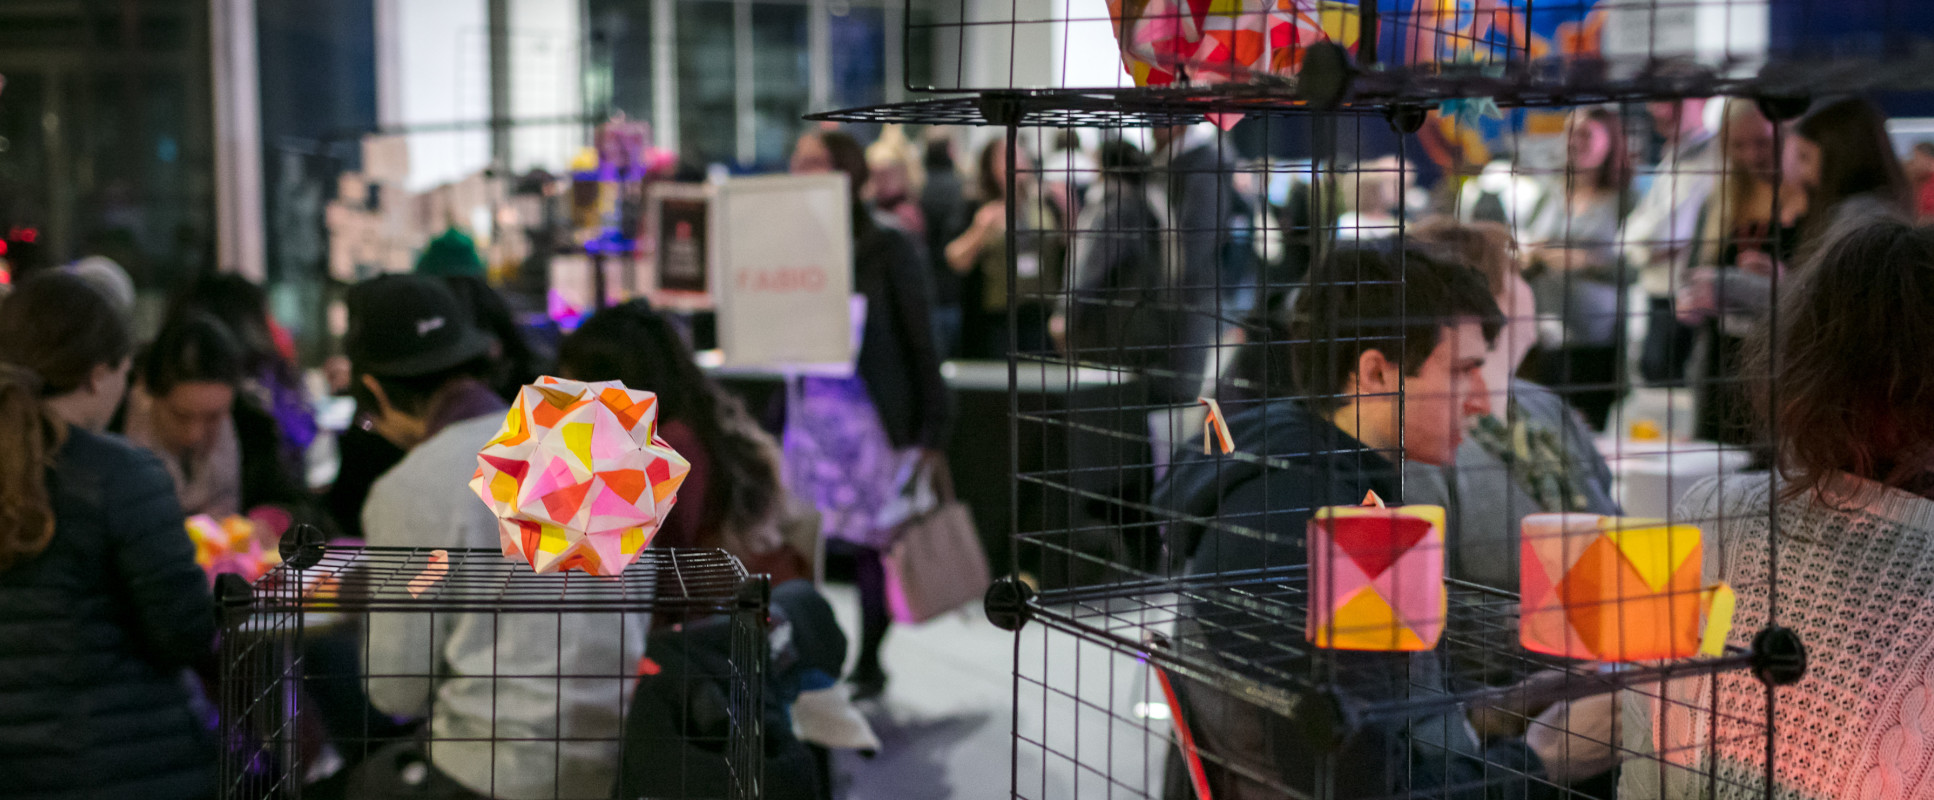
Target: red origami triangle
x,y
628,483
514,467
563,504
1375,543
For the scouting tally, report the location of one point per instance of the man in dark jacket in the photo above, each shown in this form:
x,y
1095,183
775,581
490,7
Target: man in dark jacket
x,y
1387,347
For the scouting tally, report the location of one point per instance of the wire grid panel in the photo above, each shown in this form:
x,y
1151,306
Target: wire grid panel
x,y
1097,44
1173,268
358,671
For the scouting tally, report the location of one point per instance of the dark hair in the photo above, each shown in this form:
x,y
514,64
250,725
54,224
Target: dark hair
x,y
517,364
1851,362
412,395
991,184
192,348
1482,245
55,329
1856,158
241,307
1615,173
938,153
1924,147
1371,297
636,345
848,156
1118,158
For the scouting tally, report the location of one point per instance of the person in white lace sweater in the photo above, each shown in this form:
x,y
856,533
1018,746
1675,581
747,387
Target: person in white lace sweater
x,y
1851,370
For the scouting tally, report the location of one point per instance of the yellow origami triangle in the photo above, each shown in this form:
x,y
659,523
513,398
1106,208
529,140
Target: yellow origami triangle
x,y
1367,622
577,439
1654,549
513,427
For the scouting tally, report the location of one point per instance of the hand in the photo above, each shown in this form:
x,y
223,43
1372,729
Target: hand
x,y
1578,739
991,219
1507,715
1758,262
1565,259
1697,301
1058,331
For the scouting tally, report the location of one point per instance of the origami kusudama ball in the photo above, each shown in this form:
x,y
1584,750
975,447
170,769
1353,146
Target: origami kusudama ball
x,y
578,477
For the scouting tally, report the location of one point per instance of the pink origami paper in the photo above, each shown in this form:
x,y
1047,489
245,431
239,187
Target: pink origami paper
x,y
1215,41
578,477
1377,577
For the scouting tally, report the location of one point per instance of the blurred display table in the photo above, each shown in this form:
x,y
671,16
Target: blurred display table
x,y
1650,476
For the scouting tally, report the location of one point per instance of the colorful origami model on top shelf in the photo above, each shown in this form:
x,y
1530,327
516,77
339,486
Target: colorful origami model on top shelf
x,y
1205,42
1377,577
578,477
1617,589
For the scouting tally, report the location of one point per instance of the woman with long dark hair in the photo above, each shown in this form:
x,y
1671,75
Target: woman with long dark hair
x,y
1843,386
733,498
852,443
1837,163
103,602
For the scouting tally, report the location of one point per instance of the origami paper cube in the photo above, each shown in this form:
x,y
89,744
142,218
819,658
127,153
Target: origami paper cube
x,y
578,477
1377,577
1610,588
1213,41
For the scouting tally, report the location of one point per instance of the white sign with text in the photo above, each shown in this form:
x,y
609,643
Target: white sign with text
x,y
784,283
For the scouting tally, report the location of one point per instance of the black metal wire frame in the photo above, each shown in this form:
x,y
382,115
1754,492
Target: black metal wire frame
x,y
1265,608
1075,524
297,687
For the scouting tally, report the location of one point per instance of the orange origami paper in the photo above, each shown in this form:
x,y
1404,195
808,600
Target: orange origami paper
x,y
578,476
1617,589
1377,577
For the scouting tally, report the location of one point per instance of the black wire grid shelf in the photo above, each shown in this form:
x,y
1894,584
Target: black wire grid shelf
x,y
296,641
1279,671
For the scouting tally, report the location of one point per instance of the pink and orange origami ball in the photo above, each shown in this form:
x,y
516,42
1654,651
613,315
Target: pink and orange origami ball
x,y
578,476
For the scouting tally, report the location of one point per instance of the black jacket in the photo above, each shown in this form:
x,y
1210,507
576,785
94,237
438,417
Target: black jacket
x,y
897,359
1314,465
95,632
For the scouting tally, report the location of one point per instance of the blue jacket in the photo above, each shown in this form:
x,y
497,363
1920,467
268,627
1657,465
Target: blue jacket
x,y
1312,465
95,632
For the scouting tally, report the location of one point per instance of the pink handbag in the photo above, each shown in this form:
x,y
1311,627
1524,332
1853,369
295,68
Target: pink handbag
x,y
934,561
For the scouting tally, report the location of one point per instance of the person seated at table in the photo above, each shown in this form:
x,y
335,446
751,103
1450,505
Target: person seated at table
x,y
732,499
1531,453
505,721
189,408
1387,348
1842,387
103,604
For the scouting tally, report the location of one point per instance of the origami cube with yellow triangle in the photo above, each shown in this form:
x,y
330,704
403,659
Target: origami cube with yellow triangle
x,y
1610,588
578,476
1377,577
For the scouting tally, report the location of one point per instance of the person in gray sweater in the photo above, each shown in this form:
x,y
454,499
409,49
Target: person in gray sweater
x,y
535,735
1531,454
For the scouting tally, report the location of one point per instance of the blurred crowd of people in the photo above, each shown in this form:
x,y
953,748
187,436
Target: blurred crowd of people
x,y
1146,255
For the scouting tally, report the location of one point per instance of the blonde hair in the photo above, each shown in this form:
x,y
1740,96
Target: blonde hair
x,y
893,149
1735,185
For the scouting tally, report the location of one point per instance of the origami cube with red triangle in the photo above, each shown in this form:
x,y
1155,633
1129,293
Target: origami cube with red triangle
x,y
1377,577
1610,588
578,477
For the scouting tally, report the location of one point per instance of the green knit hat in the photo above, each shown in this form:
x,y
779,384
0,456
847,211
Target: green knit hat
x,y
450,254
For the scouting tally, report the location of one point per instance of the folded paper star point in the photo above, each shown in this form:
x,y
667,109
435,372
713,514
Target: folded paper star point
x,y
578,476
